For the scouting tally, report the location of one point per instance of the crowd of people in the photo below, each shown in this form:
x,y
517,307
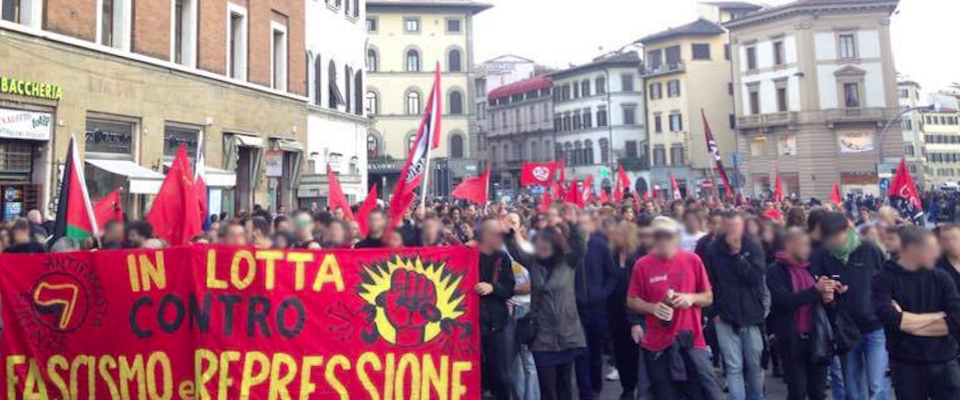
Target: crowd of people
x,y
675,300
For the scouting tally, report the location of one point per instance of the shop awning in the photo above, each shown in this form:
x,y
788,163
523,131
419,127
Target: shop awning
x,y
249,141
289,145
216,177
142,180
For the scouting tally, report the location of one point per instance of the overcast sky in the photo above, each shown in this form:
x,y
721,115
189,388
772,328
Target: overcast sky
x,y
558,33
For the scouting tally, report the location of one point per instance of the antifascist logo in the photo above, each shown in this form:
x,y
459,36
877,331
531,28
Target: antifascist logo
x,y
541,173
59,301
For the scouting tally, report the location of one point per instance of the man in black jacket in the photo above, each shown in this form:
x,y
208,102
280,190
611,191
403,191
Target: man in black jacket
x,y
920,310
495,287
735,264
854,263
595,280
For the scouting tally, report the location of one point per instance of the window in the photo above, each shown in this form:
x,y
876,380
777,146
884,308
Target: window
x,y
115,22
654,59
782,99
456,146
278,56
412,61
676,122
454,63
673,56
334,96
659,155
411,25
909,150
184,32
372,25
455,103
676,155
758,146
751,58
601,85
673,88
601,117
630,148
373,146
373,60
237,42
848,45
726,52
605,151
372,103
577,121
754,100
588,152
779,58
656,91
453,25
413,103
347,85
534,151
106,136
851,95
658,123
585,88
317,82
626,82
576,90
629,114
701,51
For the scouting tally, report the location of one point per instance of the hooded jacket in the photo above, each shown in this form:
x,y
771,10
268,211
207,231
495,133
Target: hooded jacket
x,y
738,281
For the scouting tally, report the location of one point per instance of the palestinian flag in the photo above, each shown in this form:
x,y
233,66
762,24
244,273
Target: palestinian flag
x,y
75,216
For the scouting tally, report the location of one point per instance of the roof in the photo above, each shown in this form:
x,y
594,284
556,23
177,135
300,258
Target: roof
x,y
734,5
630,58
526,85
809,5
699,27
443,4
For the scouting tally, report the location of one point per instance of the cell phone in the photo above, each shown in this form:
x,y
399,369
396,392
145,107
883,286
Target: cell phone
x,y
836,278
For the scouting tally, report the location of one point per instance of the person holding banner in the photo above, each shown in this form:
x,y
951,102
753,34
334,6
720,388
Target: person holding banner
x,y
496,287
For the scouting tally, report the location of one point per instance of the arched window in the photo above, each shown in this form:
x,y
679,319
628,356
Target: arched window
x,y
535,151
494,155
578,153
506,152
558,153
334,97
373,60
456,146
546,150
414,106
604,151
454,63
373,103
412,63
347,88
357,89
568,153
373,146
455,101
588,152
317,82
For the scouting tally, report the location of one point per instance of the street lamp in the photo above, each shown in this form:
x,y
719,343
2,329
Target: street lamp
x,y
886,128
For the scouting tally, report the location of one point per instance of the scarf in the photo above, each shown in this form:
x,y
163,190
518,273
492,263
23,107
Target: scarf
x,y
843,253
800,280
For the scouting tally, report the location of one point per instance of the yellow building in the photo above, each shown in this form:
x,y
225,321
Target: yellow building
x,y
407,40
688,70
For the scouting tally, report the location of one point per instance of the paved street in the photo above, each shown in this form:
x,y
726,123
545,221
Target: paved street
x,y
776,389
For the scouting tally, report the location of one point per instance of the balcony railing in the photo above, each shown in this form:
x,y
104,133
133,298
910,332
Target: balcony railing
x,y
851,115
766,120
663,69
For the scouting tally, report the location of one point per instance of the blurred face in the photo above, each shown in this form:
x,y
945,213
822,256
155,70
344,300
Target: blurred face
x,y
491,235
336,233
235,235
646,237
303,226
393,240
713,224
733,227
629,215
798,247
665,244
691,223
553,216
20,236
431,230
891,240
950,242
924,254
542,248
836,241
376,223
587,223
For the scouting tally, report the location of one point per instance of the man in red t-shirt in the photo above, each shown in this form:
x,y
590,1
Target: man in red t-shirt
x,y
670,287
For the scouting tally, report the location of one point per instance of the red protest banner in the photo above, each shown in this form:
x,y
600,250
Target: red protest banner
x,y
213,322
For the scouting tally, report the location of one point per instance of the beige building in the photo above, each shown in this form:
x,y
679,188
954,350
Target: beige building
x,y
914,141
406,40
941,131
815,83
688,70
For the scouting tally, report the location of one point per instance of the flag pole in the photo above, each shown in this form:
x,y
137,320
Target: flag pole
x,y
426,179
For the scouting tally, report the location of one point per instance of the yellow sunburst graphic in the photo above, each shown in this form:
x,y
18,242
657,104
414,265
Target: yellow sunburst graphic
x,y
412,298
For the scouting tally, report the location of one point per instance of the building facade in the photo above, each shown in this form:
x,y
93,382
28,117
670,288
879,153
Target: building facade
x,y
599,120
520,129
133,80
814,83
940,127
914,140
407,40
337,122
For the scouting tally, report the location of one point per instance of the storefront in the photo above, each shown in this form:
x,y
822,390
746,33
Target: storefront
x,y
110,163
282,169
24,135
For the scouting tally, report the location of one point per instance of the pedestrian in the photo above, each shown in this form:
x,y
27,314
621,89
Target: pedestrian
x,y
595,280
495,287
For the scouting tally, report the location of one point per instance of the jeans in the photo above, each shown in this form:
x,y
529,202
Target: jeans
x,y
865,368
662,385
495,359
589,364
555,382
741,348
940,381
837,389
525,383
805,378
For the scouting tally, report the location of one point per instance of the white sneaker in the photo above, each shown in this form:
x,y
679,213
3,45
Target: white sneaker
x,y
613,375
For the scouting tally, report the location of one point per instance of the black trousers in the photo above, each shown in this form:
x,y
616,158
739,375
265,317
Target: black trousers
x,y
589,364
625,353
805,379
556,382
495,352
939,381
662,385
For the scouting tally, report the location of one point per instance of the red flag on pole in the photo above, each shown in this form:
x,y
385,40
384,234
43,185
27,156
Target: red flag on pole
x,y
675,188
835,195
561,173
603,197
714,150
586,193
903,194
335,197
573,193
175,214
545,201
75,217
537,173
369,203
108,208
200,178
778,188
637,204
474,188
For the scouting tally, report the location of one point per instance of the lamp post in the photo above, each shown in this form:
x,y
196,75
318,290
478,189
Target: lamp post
x,y
886,128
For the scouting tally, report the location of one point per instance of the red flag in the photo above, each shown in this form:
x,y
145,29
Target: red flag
x,y
714,150
586,193
604,197
474,188
617,192
903,194
369,203
418,159
561,173
545,201
778,188
622,179
557,189
675,188
200,178
75,217
175,214
835,195
335,197
573,193
108,208
532,173
637,204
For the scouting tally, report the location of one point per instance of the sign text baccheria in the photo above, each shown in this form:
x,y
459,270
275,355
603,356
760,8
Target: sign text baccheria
x,y
22,87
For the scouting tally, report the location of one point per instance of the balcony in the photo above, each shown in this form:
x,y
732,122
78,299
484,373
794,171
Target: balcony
x,y
855,115
634,164
664,69
765,121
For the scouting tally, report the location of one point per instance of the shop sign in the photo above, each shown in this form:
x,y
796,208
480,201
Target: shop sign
x,y
22,87
273,164
26,125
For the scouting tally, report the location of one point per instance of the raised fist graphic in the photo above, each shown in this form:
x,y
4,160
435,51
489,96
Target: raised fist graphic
x,y
410,304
